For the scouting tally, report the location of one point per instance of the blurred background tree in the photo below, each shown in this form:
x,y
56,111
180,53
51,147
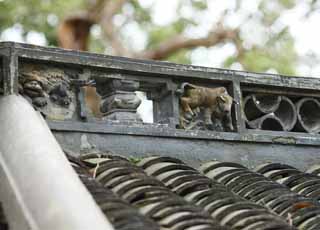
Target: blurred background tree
x,y
260,35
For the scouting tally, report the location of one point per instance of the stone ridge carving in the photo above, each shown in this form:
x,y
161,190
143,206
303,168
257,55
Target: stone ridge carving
x,y
48,90
205,108
282,113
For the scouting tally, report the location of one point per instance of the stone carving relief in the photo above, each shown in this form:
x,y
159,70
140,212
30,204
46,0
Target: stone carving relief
x,y
205,108
59,94
32,87
282,113
48,90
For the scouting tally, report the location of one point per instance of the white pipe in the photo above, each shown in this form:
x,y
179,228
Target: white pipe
x,y
38,187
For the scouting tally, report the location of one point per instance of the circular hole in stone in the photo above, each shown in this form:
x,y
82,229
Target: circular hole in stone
x,y
271,124
255,106
267,103
250,109
310,115
286,113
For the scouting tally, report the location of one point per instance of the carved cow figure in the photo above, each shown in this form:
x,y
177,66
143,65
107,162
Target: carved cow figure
x,y
215,102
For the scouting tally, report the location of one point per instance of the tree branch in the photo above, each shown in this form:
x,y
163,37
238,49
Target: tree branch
x,y
102,12
174,44
105,19
94,7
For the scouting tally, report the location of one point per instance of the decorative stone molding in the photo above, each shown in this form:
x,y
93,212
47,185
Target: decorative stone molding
x,y
119,101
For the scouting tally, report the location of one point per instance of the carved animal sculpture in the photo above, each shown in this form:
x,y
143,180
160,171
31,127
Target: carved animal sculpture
x,y
215,102
38,88
33,88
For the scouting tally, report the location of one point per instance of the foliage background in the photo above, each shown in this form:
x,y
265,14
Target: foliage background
x,y
271,33
274,36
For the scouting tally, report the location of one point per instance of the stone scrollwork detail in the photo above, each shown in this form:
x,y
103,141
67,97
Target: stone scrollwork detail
x,y
205,108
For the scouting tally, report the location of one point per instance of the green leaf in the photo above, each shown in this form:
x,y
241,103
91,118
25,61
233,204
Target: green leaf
x,y
159,34
229,61
199,4
182,56
288,3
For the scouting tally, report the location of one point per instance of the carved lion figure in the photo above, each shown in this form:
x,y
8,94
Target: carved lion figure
x,y
33,87
215,103
38,88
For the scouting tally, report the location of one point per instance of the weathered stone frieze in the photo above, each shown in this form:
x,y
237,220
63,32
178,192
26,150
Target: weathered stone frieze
x,y
61,93
71,86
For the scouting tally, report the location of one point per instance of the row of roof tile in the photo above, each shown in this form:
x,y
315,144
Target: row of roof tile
x,y
221,195
122,215
162,193
298,210
149,195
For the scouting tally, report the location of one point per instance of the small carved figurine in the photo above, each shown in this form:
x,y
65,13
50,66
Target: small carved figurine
x,y
38,88
33,88
215,103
